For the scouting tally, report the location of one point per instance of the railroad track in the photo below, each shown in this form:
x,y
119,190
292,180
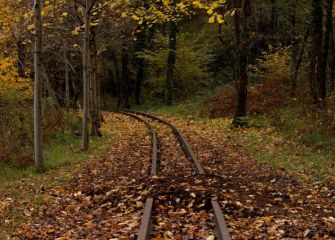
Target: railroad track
x,y
221,230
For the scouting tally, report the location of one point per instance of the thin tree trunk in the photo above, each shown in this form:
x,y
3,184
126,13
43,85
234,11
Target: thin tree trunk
x,y
237,40
100,117
21,52
67,80
274,17
295,66
241,49
125,88
332,60
48,88
140,66
316,79
329,24
294,51
37,89
118,79
171,62
86,80
93,87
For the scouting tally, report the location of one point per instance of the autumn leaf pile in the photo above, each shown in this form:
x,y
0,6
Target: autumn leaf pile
x,y
105,198
260,202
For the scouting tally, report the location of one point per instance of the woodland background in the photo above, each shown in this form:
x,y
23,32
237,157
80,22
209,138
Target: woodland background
x,y
189,58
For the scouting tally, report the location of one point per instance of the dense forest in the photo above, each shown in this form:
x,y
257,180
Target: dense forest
x,y
251,84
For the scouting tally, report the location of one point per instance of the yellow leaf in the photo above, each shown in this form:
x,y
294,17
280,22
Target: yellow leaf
x,y
210,11
211,19
139,204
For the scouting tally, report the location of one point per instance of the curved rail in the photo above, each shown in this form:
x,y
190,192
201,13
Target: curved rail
x,y
221,230
153,171
181,138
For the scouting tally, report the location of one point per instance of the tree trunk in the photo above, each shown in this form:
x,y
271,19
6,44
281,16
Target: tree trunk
x,y
332,60
125,88
294,51
241,51
86,79
316,79
274,17
67,80
140,66
94,87
21,56
48,88
118,81
329,25
37,88
171,62
297,60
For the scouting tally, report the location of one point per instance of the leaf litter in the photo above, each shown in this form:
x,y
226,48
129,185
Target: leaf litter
x,y
105,199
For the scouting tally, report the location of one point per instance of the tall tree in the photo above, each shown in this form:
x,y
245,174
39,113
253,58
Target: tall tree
x,y
171,61
241,14
140,46
37,87
67,79
86,77
94,89
327,38
317,82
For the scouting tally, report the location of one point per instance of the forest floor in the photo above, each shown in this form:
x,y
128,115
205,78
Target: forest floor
x,y
103,198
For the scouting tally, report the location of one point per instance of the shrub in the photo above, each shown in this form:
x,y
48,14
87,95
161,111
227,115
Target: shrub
x,y
269,90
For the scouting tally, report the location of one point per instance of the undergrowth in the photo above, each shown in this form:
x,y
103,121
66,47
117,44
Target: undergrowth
x,y
63,151
288,137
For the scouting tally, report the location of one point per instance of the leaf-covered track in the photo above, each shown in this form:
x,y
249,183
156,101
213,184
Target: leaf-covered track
x,y
221,230
153,133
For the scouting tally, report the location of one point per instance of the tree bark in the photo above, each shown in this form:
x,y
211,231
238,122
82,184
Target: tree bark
x,y
274,17
94,87
86,79
140,66
317,82
125,88
21,52
296,62
171,62
241,68
294,50
67,80
332,60
37,88
329,25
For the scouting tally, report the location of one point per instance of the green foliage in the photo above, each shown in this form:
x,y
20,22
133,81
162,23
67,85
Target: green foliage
x,y
272,65
187,107
193,60
16,135
72,123
16,127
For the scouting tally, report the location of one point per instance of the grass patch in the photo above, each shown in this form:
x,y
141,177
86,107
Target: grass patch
x,y
21,188
282,143
189,108
64,152
279,141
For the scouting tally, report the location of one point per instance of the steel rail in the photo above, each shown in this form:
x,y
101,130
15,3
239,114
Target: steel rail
x,y
181,138
221,229
154,152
